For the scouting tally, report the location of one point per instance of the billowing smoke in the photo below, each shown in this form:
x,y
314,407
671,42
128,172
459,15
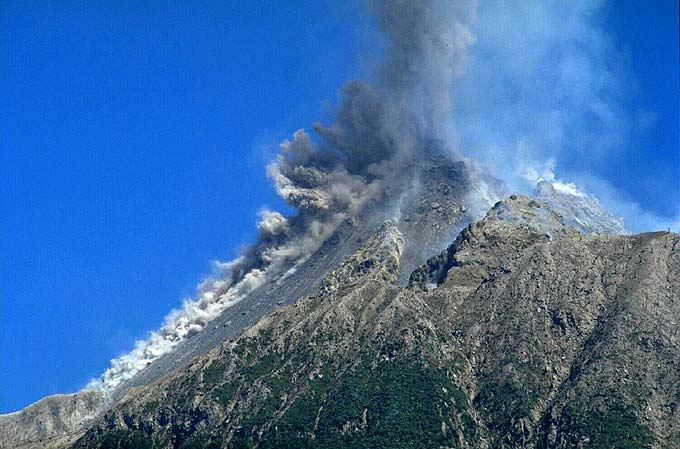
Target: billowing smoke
x,y
378,126
526,77
426,44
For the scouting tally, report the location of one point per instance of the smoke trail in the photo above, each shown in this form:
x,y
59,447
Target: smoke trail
x,y
410,103
377,128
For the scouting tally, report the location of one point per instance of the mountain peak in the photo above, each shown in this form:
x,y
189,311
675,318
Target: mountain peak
x,y
508,227
531,324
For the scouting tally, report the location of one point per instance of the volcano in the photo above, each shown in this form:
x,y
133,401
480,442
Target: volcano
x,y
407,300
417,323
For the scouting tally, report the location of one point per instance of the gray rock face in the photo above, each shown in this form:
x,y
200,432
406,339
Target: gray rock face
x,y
379,256
51,421
536,336
509,226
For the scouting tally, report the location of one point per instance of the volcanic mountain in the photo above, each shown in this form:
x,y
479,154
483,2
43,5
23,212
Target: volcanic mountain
x,y
400,304
523,332
432,200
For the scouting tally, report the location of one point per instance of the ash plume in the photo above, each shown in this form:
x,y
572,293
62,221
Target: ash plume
x,y
378,127
537,74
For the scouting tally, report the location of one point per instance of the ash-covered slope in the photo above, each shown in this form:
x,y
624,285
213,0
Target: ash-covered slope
x,y
531,335
578,209
432,201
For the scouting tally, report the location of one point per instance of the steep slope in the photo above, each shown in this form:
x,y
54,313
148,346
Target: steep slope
x,y
524,333
433,201
579,210
306,367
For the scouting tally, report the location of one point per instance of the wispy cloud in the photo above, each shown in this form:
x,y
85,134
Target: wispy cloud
x,y
546,86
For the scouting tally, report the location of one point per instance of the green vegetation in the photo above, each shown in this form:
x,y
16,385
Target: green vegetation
x,y
124,439
263,366
201,442
225,392
616,427
505,403
279,382
395,404
212,374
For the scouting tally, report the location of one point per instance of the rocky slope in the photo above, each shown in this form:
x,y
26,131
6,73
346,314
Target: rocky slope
x,y
432,201
52,421
523,333
578,210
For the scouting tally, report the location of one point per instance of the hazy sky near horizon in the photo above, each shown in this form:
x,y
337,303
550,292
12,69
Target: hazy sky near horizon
x,y
133,141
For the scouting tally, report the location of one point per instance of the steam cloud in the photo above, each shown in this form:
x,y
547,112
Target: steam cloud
x,y
377,127
546,95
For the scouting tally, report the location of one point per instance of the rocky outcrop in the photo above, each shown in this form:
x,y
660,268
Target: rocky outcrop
x,y
51,422
536,336
379,257
507,229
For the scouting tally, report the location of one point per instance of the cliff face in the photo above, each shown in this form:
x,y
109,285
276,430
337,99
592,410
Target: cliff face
x,y
523,333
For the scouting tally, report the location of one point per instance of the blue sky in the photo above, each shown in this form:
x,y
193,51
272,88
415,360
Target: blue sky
x,y
133,140
648,36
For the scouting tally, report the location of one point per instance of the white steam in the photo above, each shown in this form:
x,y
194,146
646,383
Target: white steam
x,y
546,86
